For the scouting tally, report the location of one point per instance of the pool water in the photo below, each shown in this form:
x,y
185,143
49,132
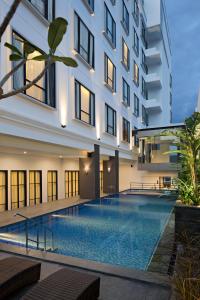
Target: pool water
x,y
121,230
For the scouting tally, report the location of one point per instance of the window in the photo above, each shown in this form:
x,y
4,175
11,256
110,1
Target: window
x,y
110,26
136,138
136,106
136,43
171,99
71,183
136,12
144,89
125,17
144,66
110,73
52,189
35,187
3,191
44,89
113,2
84,41
110,120
45,7
90,5
136,76
18,189
126,131
126,92
144,116
84,104
170,80
125,55
143,32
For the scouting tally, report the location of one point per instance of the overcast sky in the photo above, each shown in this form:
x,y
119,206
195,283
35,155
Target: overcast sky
x,y
184,25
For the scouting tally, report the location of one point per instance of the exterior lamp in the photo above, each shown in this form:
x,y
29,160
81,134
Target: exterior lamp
x,y
86,170
109,169
63,125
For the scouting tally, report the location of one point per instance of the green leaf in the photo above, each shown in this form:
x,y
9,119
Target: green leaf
x,y
57,29
28,48
15,57
41,57
68,61
13,48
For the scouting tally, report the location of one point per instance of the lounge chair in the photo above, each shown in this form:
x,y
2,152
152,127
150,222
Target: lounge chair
x,y
16,273
66,284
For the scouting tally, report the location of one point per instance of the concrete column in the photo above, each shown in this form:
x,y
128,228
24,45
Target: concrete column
x,y
89,169
111,174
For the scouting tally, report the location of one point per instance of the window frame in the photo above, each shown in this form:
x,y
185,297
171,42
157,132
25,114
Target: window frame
x,y
144,90
78,47
107,14
125,61
126,100
34,185
136,111
106,77
125,130
114,118
18,185
52,182
136,43
136,12
143,62
79,111
75,180
143,32
144,116
46,8
5,188
50,74
137,82
125,18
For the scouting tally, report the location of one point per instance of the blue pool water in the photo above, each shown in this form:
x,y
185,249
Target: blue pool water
x,y
120,230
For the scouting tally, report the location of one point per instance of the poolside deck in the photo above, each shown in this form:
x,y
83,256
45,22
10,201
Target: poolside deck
x,y
7,217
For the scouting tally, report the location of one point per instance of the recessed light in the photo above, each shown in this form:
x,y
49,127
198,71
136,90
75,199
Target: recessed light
x,y
60,156
25,152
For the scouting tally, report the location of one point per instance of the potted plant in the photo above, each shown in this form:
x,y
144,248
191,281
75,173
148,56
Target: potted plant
x,y
187,210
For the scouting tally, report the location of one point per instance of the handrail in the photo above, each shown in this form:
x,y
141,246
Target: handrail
x,y
147,185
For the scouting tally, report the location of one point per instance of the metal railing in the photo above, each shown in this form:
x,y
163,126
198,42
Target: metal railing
x,y
151,186
40,244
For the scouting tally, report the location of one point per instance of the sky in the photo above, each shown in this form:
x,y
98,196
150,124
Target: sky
x,y
184,26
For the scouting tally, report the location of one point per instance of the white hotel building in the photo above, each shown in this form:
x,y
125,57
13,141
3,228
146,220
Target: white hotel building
x,y
123,82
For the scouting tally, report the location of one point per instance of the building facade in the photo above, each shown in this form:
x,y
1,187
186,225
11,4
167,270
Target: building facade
x,y
123,83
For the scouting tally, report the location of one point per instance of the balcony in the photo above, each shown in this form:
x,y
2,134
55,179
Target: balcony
x,y
159,167
154,33
153,81
153,105
153,56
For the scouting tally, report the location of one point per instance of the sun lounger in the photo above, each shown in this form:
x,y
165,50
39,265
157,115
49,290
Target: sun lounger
x,y
66,284
16,273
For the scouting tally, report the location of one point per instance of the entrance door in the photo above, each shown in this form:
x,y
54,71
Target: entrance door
x,y
3,191
35,187
71,183
52,186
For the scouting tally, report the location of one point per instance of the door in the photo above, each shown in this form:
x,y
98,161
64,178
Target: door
x,y
18,189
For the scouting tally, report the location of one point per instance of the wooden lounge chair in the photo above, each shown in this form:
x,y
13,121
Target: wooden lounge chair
x,y
16,273
66,284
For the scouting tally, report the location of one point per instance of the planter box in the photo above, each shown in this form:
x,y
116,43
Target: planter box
x,y
187,220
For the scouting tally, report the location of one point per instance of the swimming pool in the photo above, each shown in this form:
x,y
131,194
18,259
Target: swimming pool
x,y
121,230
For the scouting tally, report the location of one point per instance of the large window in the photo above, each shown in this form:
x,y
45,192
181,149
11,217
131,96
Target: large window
x,y
125,17
35,187
136,42
110,73
143,32
125,55
52,186
145,118
71,183
84,41
126,131
110,120
110,26
144,65
3,191
136,75
84,104
18,189
144,89
136,12
126,92
44,89
45,7
136,106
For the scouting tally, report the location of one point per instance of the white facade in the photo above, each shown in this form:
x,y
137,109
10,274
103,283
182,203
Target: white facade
x,y
31,136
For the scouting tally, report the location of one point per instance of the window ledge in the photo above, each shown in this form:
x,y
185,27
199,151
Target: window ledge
x,y
124,27
125,66
136,116
113,2
88,7
125,104
36,12
109,41
35,101
110,135
109,88
125,142
84,123
136,84
80,58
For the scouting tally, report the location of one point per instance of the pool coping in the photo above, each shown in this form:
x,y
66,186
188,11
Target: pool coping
x,y
106,269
